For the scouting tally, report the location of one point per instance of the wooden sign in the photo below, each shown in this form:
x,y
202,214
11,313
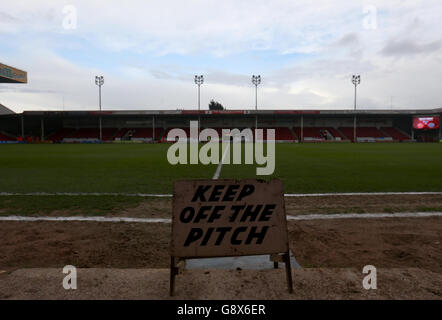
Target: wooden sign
x,y
222,218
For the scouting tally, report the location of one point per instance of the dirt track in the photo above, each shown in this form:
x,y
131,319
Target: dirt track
x,y
392,243
411,244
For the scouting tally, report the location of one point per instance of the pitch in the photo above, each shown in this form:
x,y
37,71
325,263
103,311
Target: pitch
x,y
103,180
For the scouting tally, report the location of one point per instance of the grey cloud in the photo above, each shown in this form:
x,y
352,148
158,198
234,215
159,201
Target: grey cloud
x,y
408,47
5,17
229,78
170,73
26,90
347,40
349,45
160,74
212,76
323,68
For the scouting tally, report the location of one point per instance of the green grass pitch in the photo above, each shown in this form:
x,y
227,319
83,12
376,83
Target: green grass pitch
x,y
143,168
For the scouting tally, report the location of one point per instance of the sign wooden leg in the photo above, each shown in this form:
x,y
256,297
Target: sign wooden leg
x,y
172,276
288,270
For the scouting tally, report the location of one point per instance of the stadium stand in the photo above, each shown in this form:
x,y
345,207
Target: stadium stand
x,y
59,135
147,133
94,133
395,134
310,133
319,133
283,134
4,137
363,132
370,132
121,132
108,133
347,132
319,125
187,130
335,133
86,133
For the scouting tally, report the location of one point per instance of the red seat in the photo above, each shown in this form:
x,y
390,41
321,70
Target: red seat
x,y
4,137
363,132
335,133
108,133
186,130
283,133
94,133
60,134
86,133
309,132
396,134
146,132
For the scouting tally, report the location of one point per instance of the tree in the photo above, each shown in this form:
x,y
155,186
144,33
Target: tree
x,y
215,105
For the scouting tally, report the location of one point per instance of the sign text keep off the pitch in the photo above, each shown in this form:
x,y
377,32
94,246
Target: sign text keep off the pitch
x,y
213,218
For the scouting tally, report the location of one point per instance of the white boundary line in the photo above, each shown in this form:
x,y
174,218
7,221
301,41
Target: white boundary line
x,y
220,165
361,194
87,219
289,217
166,195
365,216
155,195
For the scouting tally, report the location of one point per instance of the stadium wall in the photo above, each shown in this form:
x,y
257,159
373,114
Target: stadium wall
x,y
47,122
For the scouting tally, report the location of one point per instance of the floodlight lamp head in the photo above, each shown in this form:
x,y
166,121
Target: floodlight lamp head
x,y
99,80
199,79
356,79
256,79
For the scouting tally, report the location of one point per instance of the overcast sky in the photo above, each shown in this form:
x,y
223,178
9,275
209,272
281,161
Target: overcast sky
x,y
149,52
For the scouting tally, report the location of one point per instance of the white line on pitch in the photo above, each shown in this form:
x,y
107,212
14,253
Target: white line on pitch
x,y
82,218
360,194
220,165
85,194
289,217
166,195
365,215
